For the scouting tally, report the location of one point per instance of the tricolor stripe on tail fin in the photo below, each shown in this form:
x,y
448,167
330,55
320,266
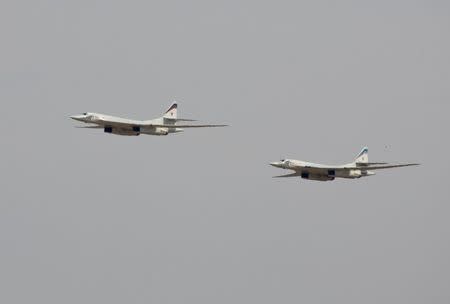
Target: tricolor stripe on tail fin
x,y
363,156
171,113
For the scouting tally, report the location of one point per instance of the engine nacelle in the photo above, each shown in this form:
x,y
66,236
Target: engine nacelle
x,y
332,174
161,131
317,177
355,173
119,131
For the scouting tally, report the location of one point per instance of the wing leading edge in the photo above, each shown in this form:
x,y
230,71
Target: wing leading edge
x,y
380,167
130,124
182,126
359,167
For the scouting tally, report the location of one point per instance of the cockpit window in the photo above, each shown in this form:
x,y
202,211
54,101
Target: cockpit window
x,y
84,113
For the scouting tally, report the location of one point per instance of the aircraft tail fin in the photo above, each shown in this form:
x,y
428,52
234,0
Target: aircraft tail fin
x,y
363,157
171,113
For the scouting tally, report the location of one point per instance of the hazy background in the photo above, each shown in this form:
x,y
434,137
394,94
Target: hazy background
x,y
87,217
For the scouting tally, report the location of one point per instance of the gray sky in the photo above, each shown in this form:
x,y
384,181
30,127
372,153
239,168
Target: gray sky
x,y
196,217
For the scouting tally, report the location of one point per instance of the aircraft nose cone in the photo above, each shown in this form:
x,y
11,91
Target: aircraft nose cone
x,y
275,164
76,117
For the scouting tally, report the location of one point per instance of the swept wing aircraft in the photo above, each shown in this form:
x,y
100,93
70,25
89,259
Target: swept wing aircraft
x,y
164,125
360,167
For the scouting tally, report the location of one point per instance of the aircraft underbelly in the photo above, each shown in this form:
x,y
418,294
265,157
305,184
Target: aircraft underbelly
x,y
351,173
160,131
334,173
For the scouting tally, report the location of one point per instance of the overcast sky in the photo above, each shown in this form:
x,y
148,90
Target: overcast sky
x,y
88,217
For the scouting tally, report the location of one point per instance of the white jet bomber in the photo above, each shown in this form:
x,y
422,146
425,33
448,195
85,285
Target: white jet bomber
x,y
360,167
164,125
